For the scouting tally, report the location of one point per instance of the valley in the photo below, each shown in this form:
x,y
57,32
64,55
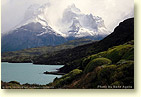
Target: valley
x,y
27,55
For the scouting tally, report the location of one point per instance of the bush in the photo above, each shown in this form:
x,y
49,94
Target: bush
x,y
66,79
96,62
129,55
104,75
124,72
14,82
117,83
90,58
115,54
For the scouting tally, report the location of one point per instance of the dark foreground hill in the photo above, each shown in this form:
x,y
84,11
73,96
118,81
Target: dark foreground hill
x,y
111,69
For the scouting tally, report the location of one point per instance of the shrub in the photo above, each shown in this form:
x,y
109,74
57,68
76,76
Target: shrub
x,y
117,83
86,60
96,62
14,82
124,72
104,75
115,54
129,55
66,79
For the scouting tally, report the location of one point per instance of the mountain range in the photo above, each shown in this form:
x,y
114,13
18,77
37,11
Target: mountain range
x,y
36,29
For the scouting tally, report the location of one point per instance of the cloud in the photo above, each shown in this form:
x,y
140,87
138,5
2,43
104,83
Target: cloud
x,y
13,12
112,11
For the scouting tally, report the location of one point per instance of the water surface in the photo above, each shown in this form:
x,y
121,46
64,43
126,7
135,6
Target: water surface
x,y
28,73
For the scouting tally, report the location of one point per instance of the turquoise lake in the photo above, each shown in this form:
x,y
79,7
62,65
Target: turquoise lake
x,y
28,73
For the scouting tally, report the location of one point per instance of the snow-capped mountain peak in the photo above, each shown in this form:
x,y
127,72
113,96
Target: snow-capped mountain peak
x,y
36,14
39,14
79,24
73,8
37,28
73,23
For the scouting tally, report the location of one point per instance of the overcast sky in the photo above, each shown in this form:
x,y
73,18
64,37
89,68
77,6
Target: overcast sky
x,y
112,11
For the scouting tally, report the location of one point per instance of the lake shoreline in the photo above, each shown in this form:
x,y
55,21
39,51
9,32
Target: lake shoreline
x,y
54,73
30,62
31,73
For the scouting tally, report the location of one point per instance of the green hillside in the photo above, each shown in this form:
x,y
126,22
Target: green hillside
x,y
114,67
